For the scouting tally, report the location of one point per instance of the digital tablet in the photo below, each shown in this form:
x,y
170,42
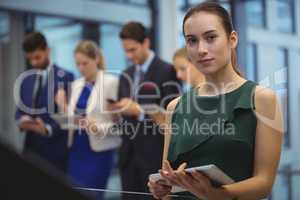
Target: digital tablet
x,y
217,176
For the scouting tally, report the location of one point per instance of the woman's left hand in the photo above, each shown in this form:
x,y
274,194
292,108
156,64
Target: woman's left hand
x,y
194,182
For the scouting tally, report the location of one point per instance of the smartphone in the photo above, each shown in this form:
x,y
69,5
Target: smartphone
x,y
111,100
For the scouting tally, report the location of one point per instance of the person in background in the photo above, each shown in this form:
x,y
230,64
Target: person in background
x,y
93,146
185,70
149,81
247,143
38,87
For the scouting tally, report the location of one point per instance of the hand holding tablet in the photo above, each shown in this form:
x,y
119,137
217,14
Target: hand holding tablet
x,y
211,171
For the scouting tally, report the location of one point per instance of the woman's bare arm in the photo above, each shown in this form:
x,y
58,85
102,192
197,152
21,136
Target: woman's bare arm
x,y
269,134
168,128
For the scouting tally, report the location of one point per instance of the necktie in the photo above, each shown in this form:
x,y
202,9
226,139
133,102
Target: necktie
x,y
138,78
38,91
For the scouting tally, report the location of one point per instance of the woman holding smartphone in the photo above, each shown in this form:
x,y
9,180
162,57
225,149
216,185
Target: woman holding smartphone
x,y
93,146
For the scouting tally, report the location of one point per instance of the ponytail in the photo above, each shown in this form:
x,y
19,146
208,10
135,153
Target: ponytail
x,y
234,63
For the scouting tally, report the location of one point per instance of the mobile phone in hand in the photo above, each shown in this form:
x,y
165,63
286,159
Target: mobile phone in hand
x,y
111,100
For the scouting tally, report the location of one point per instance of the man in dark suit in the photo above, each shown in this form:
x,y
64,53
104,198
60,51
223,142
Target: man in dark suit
x,y
36,90
149,81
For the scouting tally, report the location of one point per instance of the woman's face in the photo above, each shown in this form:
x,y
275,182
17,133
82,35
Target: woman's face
x,y
183,69
207,44
86,65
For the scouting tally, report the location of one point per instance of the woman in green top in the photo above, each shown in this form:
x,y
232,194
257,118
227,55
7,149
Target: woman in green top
x,y
227,121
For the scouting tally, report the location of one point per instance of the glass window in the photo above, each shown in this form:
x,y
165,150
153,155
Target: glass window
x,y
281,88
195,2
280,188
282,58
139,2
4,27
62,35
180,16
285,16
181,5
131,2
112,47
184,5
226,5
255,12
251,71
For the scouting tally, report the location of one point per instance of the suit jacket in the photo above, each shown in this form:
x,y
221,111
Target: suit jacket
x,y
143,141
52,147
105,87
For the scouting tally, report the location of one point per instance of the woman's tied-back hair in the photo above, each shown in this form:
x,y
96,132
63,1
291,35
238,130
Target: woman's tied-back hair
x,y
91,50
180,53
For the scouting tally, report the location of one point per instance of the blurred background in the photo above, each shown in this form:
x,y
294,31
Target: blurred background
x,y
268,52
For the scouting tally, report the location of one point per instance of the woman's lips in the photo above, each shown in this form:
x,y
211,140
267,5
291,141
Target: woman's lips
x,y
205,61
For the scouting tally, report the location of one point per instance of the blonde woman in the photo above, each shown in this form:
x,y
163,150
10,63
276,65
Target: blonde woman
x,y
185,70
92,148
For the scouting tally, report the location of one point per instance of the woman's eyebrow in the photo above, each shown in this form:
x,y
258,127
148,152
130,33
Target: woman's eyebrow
x,y
190,35
209,31
205,33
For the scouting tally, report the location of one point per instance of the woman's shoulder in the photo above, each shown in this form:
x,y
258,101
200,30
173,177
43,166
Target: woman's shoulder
x,y
263,94
172,105
263,91
78,81
265,100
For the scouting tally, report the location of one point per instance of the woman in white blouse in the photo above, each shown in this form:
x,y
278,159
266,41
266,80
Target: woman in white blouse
x,y
93,146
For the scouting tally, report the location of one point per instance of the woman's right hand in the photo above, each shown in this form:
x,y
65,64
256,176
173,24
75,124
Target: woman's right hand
x,y
159,189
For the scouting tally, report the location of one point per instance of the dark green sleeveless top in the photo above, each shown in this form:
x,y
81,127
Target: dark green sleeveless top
x,y
216,130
